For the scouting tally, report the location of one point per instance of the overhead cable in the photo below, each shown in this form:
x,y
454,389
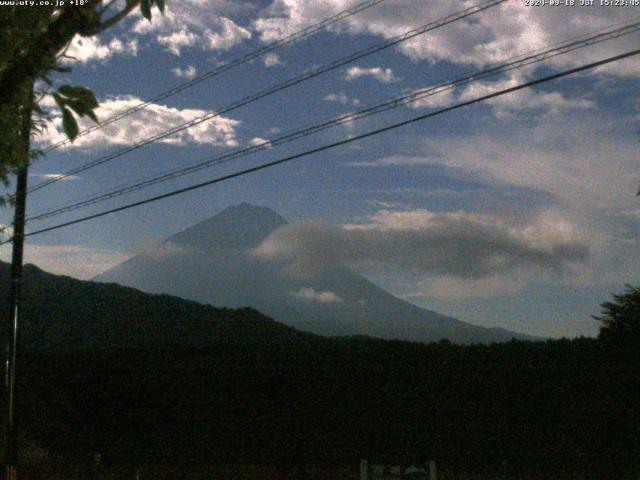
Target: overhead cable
x,y
298,35
519,62
312,73
521,86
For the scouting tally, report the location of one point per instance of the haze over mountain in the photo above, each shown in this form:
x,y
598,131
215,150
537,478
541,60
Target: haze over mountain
x,y
62,314
153,379
214,262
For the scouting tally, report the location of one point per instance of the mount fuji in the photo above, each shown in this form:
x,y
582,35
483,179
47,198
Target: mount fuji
x,y
212,262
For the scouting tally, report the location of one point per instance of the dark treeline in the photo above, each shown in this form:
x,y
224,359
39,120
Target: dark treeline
x,y
534,406
230,386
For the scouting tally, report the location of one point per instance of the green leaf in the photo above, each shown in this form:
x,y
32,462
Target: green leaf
x,y
77,106
71,91
79,99
69,124
145,8
82,94
160,4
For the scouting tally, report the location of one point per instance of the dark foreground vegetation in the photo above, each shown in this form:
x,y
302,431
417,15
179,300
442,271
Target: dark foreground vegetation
x,y
145,379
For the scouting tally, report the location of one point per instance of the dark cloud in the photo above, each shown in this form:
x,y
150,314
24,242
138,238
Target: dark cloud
x,y
461,245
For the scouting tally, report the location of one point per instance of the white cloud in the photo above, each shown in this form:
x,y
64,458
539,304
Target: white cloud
x,y
522,100
310,294
6,232
394,161
87,49
584,163
193,24
176,41
583,158
188,72
337,97
152,120
259,141
448,288
271,60
227,35
341,98
488,37
440,99
382,75
459,244
73,260
54,176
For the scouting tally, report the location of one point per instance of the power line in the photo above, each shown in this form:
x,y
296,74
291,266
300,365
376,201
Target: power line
x,y
454,17
371,133
278,87
550,53
300,34
415,96
519,62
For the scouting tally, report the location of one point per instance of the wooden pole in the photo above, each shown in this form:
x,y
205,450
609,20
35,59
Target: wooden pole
x,y
433,474
15,291
364,469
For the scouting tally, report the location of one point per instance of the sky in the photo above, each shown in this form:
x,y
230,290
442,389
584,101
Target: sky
x,y
519,212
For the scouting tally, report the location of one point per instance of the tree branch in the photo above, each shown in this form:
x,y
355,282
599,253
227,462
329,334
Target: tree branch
x,y
115,19
35,60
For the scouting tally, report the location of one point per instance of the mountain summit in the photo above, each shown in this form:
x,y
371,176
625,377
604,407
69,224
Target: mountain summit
x,y
242,226
212,262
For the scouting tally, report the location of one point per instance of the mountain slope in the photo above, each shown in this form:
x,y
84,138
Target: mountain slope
x,y
64,314
212,262
198,385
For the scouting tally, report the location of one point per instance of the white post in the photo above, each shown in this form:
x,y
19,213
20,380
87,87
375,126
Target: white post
x,y
364,469
432,470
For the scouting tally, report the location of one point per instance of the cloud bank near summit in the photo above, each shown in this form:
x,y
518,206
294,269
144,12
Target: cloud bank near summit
x,y
459,244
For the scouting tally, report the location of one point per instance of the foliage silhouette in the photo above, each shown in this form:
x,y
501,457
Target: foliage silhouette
x,y
33,44
156,379
620,318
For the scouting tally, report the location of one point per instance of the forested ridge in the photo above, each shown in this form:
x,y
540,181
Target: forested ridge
x,y
241,388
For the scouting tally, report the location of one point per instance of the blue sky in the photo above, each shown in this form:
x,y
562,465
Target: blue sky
x,y
550,174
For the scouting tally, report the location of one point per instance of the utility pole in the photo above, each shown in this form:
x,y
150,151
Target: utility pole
x,y
15,288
